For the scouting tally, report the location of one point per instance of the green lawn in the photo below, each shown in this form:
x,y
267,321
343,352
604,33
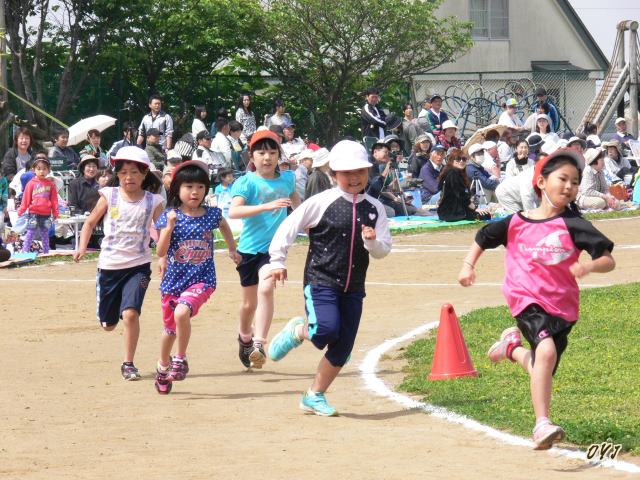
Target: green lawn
x,y
596,391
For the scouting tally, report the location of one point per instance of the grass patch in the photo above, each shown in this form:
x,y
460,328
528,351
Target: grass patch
x,y
596,388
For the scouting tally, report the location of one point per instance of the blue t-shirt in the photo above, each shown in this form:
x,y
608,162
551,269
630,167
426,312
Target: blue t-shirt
x,y
190,255
258,230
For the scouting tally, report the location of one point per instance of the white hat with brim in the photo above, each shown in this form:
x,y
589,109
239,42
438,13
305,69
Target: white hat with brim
x,y
581,141
306,153
592,155
449,124
348,155
489,144
131,154
320,158
618,120
475,148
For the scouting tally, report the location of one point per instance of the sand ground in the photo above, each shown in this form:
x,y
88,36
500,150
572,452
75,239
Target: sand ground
x,y
67,414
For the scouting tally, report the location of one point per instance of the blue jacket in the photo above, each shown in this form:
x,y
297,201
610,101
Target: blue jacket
x,y
429,176
476,172
553,114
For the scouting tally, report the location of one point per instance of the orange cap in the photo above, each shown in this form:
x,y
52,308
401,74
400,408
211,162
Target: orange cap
x,y
262,135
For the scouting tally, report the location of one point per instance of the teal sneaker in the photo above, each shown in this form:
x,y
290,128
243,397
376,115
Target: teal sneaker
x,y
286,340
316,402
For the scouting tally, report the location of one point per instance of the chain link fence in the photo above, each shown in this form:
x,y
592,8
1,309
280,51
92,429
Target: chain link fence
x,y
475,100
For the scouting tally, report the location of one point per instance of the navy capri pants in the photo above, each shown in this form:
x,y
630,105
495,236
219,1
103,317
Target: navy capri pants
x,y
333,319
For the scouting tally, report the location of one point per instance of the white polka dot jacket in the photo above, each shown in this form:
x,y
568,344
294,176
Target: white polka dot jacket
x,y
338,254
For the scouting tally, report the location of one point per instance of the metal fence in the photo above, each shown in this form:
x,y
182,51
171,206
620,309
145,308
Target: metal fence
x,y
475,99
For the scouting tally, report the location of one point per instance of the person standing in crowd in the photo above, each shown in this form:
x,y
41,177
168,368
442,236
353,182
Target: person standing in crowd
x,y
154,149
436,116
40,199
157,118
279,116
245,115
304,160
20,155
124,265
199,116
83,191
93,148
420,153
541,98
261,200
238,146
319,179
129,134
221,142
540,279
429,174
410,129
204,153
61,150
374,120
345,228
520,161
185,248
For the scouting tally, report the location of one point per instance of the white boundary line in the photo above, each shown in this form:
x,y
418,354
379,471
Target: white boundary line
x,y
368,369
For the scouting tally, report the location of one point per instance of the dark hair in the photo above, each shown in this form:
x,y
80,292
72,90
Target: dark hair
x,y
94,132
36,161
454,154
264,144
222,113
372,91
153,97
59,132
405,106
23,131
417,148
188,174
199,110
590,129
545,107
151,183
548,126
235,126
553,165
492,136
221,123
223,172
84,164
241,105
278,102
129,126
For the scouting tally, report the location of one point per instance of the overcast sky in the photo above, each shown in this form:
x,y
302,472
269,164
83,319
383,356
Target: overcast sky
x,y
601,17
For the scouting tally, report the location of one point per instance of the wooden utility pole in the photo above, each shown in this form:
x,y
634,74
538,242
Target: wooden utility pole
x,y
3,58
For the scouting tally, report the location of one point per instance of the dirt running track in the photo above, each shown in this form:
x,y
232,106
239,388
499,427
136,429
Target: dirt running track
x,y
67,414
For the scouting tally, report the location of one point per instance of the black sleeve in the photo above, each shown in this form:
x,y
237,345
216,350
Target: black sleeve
x,y
587,237
73,194
493,234
9,167
368,118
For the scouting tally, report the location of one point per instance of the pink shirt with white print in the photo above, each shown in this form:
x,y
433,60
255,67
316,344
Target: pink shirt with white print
x,y
539,254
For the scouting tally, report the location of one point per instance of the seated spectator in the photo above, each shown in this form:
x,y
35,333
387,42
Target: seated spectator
x,y
420,154
129,136
517,194
83,191
61,150
455,198
94,148
279,117
319,179
506,146
223,190
530,122
304,160
205,154
521,161
475,171
199,117
395,148
621,134
429,174
491,162
554,116
239,150
543,127
154,149
4,253
510,117
383,183
221,142
617,166
578,144
591,135
594,189
17,157
535,144
105,177
447,137
291,145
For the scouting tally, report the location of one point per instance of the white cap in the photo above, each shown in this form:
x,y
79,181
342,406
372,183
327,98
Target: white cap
x,y
594,139
449,124
306,153
549,147
131,154
618,120
172,154
348,155
489,144
320,157
475,148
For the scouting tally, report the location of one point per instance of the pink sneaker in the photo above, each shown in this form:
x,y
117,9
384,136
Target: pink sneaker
x,y
546,434
509,339
179,369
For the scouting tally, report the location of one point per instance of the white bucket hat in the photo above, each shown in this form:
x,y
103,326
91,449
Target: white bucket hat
x,y
320,157
132,154
449,124
348,155
475,148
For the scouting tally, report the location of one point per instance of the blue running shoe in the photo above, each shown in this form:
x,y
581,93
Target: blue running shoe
x,y
286,340
315,402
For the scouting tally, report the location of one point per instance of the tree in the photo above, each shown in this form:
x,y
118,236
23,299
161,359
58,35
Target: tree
x,y
325,51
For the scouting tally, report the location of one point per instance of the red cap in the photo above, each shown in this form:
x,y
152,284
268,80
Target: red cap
x,y
262,135
196,163
559,153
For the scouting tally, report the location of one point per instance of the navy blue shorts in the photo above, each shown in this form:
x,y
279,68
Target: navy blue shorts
x,y
536,325
118,290
333,319
250,266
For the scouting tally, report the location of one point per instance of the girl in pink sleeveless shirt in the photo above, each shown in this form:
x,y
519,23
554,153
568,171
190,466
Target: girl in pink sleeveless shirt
x,y
128,211
541,267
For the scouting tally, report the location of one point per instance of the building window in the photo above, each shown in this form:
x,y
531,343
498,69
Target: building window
x,y
490,19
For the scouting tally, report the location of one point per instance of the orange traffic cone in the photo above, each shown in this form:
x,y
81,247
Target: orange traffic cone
x,y
451,358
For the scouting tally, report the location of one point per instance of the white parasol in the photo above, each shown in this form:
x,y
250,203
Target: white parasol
x,y
78,131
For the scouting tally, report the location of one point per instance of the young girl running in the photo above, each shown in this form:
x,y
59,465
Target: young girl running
x,y
124,265
261,199
543,246
345,227
185,248
40,198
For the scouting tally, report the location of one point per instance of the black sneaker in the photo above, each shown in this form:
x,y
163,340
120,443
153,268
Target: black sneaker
x,y
129,372
245,351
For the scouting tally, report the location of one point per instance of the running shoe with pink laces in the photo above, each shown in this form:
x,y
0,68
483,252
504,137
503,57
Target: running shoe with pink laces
x,y
545,434
163,381
501,350
179,369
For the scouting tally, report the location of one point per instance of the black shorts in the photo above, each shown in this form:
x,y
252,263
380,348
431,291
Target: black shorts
x,y
536,325
250,266
118,290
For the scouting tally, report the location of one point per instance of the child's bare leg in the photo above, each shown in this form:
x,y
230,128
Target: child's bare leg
x,y
542,377
522,356
325,375
166,344
182,315
130,318
248,306
264,310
